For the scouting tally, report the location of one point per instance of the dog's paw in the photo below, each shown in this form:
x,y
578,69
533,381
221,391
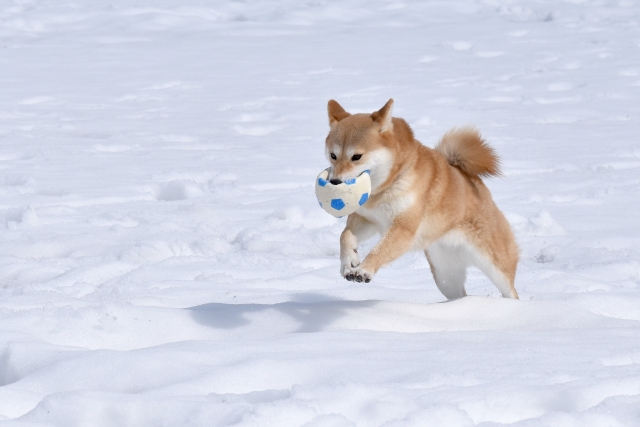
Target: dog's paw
x,y
346,270
357,274
348,261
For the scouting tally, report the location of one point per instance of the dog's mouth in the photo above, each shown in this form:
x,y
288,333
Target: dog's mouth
x,y
347,181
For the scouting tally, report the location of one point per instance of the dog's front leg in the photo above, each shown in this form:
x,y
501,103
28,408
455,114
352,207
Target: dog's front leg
x,y
397,240
357,230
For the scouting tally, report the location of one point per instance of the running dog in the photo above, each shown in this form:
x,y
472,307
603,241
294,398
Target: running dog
x,y
425,199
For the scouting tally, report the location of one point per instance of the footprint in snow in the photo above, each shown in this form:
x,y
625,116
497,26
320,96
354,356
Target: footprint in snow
x,y
22,217
177,190
548,254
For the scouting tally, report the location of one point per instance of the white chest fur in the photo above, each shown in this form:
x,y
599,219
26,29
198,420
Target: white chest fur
x,y
394,201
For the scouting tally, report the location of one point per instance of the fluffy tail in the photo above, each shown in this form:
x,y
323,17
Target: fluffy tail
x,y
465,149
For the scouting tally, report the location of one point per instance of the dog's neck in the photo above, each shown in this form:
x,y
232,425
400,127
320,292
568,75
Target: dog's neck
x,y
403,161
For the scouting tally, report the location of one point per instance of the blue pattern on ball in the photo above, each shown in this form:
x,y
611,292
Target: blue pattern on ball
x,y
337,204
364,199
322,182
350,181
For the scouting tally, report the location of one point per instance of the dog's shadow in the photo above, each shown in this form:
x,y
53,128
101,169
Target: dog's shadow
x,y
314,312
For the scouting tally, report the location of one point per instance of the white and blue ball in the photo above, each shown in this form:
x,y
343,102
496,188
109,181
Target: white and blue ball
x,y
343,199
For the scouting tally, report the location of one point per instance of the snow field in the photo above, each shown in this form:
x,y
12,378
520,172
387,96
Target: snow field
x,y
163,260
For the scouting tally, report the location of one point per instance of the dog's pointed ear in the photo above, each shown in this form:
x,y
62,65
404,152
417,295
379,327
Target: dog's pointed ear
x,y
336,112
383,117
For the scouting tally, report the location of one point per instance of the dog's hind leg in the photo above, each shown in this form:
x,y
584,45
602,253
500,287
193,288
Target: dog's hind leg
x,y
498,261
501,276
495,252
449,268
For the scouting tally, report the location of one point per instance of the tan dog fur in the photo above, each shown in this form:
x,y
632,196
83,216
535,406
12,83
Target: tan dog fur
x,y
421,199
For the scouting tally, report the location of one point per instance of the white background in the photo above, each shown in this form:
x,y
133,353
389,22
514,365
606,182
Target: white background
x,y
164,262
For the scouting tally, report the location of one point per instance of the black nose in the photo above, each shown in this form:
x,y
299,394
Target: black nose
x,y
335,181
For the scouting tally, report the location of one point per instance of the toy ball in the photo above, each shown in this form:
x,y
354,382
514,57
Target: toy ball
x,y
343,199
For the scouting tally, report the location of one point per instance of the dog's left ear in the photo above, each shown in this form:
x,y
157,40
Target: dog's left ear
x,y
383,117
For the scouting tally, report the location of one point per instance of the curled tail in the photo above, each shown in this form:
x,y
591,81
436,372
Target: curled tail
x,y
465,149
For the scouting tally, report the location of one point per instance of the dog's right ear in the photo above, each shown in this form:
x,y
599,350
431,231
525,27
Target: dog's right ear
x,y
336,112
383,117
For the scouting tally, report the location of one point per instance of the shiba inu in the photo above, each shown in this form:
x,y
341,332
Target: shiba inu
x,y
425,199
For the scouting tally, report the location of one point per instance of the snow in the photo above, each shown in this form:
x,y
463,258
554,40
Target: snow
x,y
163,259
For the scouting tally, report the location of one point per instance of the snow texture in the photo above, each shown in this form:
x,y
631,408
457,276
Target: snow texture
x,y
164,262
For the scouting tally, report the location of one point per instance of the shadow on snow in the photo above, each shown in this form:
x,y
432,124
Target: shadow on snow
x,y
314,312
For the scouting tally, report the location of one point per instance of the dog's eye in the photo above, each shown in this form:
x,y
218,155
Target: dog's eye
x,y
333,156
356,157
